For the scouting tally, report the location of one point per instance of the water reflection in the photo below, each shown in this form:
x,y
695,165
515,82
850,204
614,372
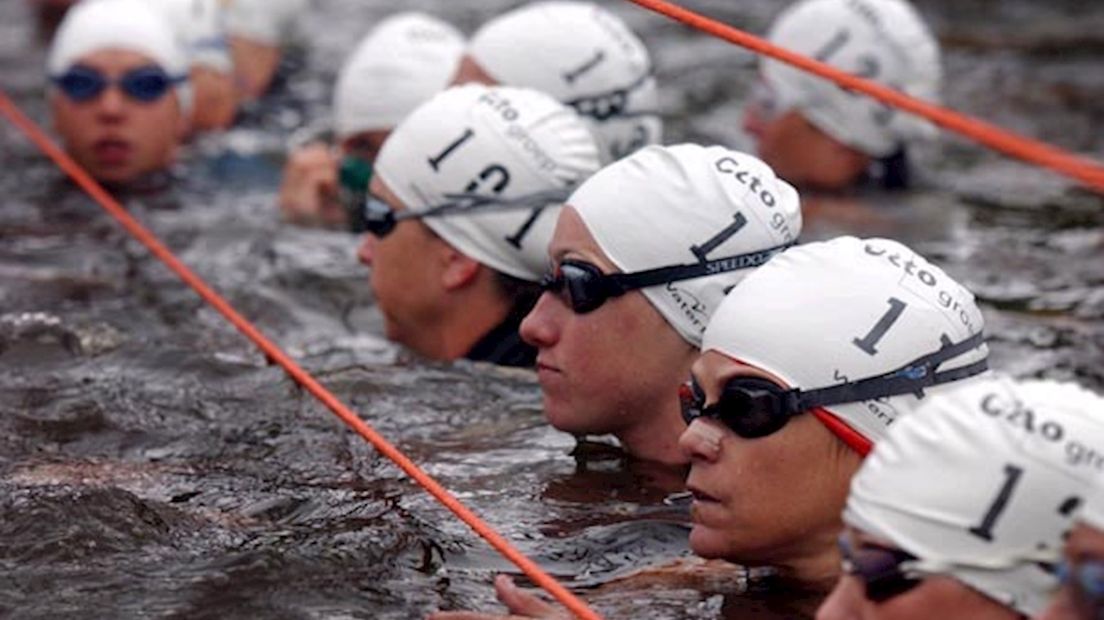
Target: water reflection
x,y
152,463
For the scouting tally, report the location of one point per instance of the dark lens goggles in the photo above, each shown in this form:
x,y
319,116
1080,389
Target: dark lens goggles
x,y
1085,579
610,104
584,287
756,407
145,84
354,175
879,568
378,218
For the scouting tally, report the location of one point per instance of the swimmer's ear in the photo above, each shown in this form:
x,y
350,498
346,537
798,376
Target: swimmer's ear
x,y
459,270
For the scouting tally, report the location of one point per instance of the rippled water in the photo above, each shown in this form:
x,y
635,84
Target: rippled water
x,y
152,464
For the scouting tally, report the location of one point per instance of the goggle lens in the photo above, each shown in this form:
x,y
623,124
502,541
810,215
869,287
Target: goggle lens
x,y
354,175
81,84
749,406
145,84
879,568
578,284
378,217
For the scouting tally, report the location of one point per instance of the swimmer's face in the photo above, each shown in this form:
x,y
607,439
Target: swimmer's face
x,y
801,153
936,596
469,71
1084,543
366,145
609,370
405,277
773,500
114,137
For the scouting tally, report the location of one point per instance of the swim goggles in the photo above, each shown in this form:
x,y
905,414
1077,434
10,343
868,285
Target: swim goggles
x,y
879,568
353,176
1085,580
610,104
756,407
146,84
377,217
584,287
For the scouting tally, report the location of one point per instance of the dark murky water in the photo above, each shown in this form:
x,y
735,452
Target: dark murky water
x,y
153,465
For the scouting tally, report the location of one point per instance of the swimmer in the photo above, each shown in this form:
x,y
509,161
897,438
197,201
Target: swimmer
x,y
462,203
615,336
960,513
817,135
800,373
582,55
119,92
199,27
259,33
401,63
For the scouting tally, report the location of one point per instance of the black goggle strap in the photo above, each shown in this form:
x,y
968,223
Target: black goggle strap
x,y
911,378
621,283
465,202
459,204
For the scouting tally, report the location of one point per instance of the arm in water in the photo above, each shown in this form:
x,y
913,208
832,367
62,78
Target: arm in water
x,y
522,604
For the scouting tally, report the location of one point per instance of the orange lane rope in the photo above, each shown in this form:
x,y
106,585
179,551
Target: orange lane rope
x,y
301,376
1086,171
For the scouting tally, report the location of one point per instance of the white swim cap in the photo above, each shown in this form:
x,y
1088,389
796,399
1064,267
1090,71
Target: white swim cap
x,y
200,28
269,22
674,205
119,24
882,40
584,56
982,481
497,141
405,60
843,310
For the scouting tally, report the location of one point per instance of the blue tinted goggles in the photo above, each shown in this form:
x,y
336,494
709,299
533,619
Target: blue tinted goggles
x,y
144,84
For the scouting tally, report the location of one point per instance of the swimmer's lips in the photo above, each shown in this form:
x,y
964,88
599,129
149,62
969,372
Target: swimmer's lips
x,y
112,151
543,366
701,496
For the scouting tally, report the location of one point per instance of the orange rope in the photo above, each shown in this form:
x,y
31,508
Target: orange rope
x,y
97,192
1086,171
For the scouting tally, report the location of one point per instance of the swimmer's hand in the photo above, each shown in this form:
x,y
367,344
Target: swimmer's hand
x,y
308,193
521,604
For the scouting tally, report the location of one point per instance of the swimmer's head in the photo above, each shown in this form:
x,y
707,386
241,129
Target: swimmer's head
x,y
401,63
503,142
641,257
791,109
800,372
199,28
120,93
582,55
825,313
687,204
463,201
978,485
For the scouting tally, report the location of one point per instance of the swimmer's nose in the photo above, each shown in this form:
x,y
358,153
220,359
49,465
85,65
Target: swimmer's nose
x,y
753,122
364,250
701,441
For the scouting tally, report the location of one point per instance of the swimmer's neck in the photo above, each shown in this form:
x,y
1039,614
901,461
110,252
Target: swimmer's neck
x,y
471,314
656,439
